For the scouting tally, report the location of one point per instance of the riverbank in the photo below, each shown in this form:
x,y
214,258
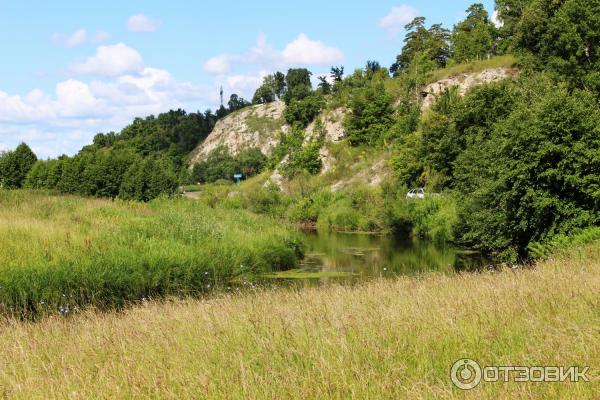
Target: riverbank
x,y
62,253
391,339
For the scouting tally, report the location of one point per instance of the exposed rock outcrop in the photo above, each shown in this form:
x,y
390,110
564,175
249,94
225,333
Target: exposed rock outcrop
x,y
252,127
332,125
464,82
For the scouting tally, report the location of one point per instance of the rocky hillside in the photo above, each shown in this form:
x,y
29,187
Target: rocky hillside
x,y
463,82
252,127
260,126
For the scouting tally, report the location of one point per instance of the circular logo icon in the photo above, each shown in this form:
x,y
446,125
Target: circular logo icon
x,y
465,374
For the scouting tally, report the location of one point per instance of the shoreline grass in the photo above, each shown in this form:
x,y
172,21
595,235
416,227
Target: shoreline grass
x,y
63,252
384,339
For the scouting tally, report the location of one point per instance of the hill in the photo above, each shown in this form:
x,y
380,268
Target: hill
x,y
263,126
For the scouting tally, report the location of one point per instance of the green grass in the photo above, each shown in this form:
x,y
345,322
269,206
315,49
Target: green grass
x,y
385,339
264,125
506,61
68,250
563,243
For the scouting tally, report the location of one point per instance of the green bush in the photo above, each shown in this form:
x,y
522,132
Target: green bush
x,y
303,111
371,115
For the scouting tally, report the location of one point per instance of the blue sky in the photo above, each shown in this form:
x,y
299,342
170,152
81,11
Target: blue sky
x,y
72,69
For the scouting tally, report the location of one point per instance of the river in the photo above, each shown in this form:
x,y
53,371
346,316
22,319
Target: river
x,y
331,255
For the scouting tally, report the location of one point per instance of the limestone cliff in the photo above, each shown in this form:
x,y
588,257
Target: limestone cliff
x,y
464,82
252,127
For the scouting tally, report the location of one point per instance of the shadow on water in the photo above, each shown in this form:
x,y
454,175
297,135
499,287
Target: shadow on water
x,y
331,255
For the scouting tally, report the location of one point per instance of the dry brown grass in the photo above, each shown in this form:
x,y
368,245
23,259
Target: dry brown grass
x,y
383,339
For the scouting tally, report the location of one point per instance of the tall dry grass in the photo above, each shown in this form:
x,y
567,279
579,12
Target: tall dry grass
x,y
387,339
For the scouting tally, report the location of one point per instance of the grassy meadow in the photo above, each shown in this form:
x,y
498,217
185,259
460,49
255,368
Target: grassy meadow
x,y
60,253
386,339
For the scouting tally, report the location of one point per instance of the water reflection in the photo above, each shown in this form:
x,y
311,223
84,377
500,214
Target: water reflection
x,y
367,256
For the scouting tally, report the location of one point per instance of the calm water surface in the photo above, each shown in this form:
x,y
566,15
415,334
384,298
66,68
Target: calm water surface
x,y
367,256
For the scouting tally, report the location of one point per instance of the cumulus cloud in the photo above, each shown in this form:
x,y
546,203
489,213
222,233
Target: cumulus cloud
x,y
245,83
305,51
115,60
398,17
80,37
141,23
75,99
65,120
301,51
219,65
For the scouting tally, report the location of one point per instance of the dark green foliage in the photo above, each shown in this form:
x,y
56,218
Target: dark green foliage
x,y
473,38
303,111
536,175
15,165
423,46
509,14
298,84
306,159
45,174
173,134
236,103
105,171
562,37
264,94
371,115
337,73
304,156
288,143
324,85
141,162
220,165
147,180
272,88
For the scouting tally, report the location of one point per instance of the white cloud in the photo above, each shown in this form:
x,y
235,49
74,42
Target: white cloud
x,y
245,83
64,121
301,51
141,23
397,19
112,60
219,65
75,99
305,51
80,37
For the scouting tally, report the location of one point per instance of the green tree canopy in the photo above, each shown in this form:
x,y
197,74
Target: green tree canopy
x,y
473,38
15,165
